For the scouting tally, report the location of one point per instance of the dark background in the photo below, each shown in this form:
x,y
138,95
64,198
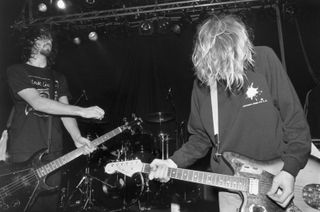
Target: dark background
x,y
132,74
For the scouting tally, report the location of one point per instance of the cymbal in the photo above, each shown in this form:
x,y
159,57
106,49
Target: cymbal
x,y
159,117
92,121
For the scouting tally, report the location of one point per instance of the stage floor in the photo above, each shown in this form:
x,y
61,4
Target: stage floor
x,y
199,206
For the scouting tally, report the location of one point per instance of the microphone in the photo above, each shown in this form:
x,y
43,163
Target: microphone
x,y
85,94
169,94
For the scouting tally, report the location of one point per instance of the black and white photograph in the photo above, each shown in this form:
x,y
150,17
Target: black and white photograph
x,y
159,105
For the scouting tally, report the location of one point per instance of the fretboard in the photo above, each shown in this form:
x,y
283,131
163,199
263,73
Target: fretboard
x,y
206,178
50,167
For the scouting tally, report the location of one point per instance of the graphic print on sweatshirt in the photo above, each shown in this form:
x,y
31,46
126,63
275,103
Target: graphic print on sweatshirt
x,y
43,86
253,96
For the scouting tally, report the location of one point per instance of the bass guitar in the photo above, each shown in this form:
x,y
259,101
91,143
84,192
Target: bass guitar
x,y
20,183
252,180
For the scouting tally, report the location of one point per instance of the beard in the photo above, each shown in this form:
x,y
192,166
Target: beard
x,y
46,50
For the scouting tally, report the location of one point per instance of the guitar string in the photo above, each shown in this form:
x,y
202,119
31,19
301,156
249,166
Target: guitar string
x,y
18,184
15,186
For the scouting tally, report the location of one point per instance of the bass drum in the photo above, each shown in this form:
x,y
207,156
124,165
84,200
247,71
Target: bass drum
x,y
117,191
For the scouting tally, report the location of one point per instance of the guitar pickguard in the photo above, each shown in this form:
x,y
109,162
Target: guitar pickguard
x,y
255,200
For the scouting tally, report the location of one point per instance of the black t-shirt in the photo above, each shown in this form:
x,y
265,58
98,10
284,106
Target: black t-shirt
x,y
29,128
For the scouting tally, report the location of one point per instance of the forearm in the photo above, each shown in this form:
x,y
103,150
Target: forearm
x,y
72,127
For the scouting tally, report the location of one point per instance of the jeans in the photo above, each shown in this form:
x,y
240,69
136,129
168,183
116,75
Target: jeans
x,y
229,202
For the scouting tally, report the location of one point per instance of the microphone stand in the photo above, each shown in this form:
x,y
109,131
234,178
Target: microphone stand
x,y
79,98
169,98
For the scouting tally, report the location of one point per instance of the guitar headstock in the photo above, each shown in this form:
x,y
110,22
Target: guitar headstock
x,y
127,168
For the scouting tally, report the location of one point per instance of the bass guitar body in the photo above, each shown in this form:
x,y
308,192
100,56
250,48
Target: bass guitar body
x,y
20,184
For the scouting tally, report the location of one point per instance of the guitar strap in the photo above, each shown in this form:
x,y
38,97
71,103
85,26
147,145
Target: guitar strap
x,y
215,117
8,125
53,96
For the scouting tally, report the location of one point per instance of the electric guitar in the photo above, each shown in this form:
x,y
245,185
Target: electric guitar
x,y
252,180
20,183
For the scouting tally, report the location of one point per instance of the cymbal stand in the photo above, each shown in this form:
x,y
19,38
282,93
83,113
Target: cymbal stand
x,y
164,139
85,188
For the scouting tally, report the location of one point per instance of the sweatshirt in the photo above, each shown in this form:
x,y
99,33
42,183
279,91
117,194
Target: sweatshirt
x,y
263,121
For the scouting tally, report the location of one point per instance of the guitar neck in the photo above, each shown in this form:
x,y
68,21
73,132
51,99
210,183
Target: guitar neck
x,y
59,162
205,178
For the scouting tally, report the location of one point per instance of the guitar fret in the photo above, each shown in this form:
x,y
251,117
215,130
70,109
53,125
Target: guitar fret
x,y
209,179
113,133
173,173
185,174
219,180
54,165
179,173
205,176
190,175
200,176
235,185
195,176
169,172
50,167
227,182
38,172
47,168
43,171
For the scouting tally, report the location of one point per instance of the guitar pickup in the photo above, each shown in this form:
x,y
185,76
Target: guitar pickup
x,y
253,186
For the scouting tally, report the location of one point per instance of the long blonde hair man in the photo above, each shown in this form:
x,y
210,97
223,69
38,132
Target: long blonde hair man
x,y
222,51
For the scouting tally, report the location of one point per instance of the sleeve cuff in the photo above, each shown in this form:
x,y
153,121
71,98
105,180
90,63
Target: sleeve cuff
x,y
291,165
175,159
172,163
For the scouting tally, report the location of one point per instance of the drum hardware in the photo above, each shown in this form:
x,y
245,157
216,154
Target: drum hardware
x,y
159,117
82,195
164,140
144,201
84,187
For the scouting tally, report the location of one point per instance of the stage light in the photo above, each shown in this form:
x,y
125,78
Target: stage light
x,y
42,7
93,36
91,1
176,28
61,4
146,28
163,25
76,40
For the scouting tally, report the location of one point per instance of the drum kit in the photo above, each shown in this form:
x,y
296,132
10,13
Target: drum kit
x,y
98,191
